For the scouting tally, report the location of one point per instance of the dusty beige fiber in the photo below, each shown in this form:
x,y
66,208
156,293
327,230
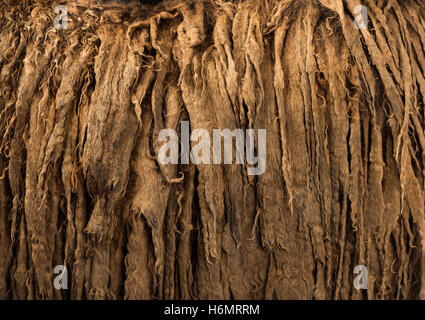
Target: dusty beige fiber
x,y
81,185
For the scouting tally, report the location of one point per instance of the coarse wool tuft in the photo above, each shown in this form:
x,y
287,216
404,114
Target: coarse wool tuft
x,y
81,185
